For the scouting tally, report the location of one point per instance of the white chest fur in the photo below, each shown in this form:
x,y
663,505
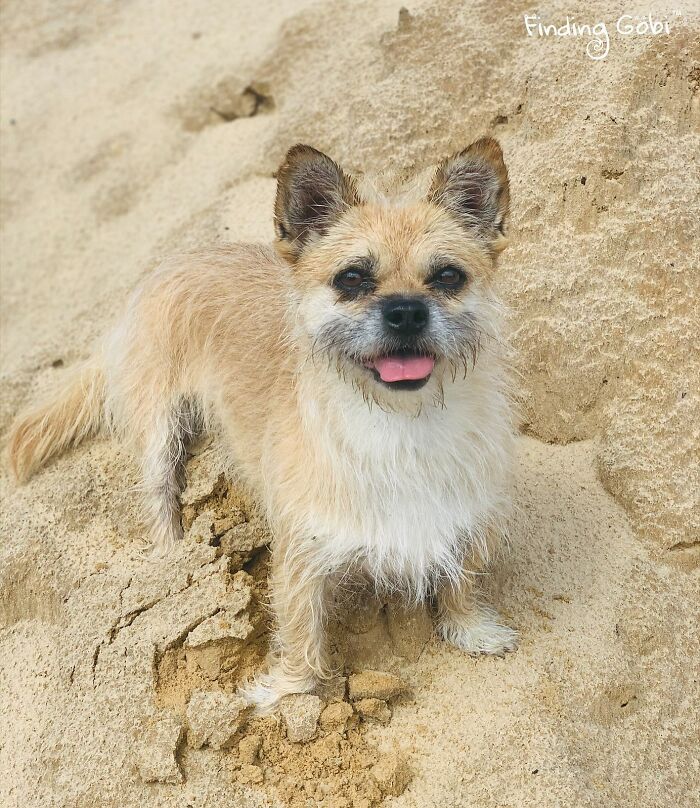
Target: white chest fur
x,y
403,494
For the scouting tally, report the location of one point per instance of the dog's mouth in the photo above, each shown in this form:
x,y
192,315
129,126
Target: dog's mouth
x,y
402,370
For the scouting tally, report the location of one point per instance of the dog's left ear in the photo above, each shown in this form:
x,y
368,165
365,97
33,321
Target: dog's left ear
x,y
473,186
312,192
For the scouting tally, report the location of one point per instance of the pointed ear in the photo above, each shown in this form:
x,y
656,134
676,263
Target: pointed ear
x,y
312,192
473,186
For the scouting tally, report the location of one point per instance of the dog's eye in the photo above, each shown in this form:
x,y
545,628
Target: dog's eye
x,y
350,279
451,278
353,281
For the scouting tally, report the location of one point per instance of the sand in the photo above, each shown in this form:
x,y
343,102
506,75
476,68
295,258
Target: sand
x,y
130,130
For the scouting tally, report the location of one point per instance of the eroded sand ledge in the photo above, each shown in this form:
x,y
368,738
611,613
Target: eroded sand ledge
x,y
129,131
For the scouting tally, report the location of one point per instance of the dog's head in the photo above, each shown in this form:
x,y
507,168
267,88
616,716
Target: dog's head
x,y
394,292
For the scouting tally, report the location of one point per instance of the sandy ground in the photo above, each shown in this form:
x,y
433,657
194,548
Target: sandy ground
x,y
132,129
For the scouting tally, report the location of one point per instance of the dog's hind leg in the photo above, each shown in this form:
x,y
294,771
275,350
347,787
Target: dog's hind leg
x,y
169,431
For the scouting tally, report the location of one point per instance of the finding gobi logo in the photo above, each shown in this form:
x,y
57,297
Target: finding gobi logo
x,y
598,45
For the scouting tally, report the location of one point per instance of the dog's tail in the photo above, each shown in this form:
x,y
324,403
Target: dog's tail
x,y
62,420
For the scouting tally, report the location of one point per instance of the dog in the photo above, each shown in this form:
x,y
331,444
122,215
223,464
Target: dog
x,y
358,374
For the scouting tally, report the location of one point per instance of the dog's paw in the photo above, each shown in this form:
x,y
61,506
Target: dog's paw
x,y
261,693
479,632
266,689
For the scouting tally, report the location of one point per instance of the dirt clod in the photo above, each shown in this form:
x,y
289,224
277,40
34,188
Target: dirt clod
x,y
392,774
374,710
336,716
201,529
214,719
249,748
376,685
301,713
251,774
157,749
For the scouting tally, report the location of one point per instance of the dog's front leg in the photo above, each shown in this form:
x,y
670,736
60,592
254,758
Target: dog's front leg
x,y
297,659
465,621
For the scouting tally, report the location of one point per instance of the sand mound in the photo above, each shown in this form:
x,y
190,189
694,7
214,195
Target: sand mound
x,y
130,130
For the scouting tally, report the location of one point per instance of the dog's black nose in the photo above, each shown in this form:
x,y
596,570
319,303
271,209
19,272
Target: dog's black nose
x,y
406,316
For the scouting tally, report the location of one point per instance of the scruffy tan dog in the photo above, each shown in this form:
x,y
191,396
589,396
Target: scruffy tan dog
x,y
356,371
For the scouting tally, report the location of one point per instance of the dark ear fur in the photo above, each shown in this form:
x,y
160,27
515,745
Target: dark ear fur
x,y
473,186
312,192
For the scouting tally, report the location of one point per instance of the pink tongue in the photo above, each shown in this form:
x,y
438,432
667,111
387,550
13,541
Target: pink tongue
x,y
397,369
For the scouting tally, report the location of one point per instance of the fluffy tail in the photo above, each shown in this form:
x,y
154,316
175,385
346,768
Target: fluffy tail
x,y
66,418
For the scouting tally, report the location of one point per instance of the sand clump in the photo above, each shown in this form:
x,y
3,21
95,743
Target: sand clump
x,y
336,716
300,714
249,749
376,685
324,761
157,751
392,774
372,709
213,719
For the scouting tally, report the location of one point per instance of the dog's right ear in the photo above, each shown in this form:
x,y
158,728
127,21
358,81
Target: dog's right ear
x,y
473,186
312,192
